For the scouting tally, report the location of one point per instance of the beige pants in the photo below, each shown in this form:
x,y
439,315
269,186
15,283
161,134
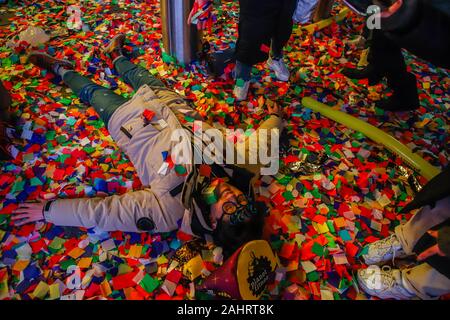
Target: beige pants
x,y
425,281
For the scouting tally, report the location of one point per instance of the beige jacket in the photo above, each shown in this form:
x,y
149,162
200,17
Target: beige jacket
x,y
144,145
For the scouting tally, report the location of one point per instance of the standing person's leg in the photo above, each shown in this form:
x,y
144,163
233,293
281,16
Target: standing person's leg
x,y
425,219
280,37
256,21
323,10
283,28
426,282
402,242
386,59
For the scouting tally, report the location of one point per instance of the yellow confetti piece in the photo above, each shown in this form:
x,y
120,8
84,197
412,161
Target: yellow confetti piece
x,y
193,268
20,265
105,288
135,251
162,260
41,290
76,252
54,291
84,263
321,228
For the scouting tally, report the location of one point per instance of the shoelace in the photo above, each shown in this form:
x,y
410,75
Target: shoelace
x,y
390,280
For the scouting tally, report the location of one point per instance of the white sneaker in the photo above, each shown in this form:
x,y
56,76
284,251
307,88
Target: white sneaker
x,y
384,283
384,250
240,93
279,67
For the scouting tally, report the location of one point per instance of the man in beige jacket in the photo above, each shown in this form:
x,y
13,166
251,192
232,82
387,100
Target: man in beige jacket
x,y
143,127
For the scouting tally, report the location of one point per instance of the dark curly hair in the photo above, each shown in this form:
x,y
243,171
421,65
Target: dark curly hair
x,y
232,236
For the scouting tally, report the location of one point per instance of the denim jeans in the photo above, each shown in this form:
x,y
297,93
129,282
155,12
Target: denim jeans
x,y
104,100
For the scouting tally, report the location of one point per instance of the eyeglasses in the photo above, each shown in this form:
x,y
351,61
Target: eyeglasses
x,y
231,207
239,212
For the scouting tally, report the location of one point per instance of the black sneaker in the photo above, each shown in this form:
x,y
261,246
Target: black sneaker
x,y
405,96
365,73
47,62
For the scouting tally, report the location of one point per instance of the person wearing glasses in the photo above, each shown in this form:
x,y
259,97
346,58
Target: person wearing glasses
x,y
215,201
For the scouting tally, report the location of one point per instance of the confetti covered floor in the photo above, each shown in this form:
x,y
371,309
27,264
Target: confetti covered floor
x,y
319,223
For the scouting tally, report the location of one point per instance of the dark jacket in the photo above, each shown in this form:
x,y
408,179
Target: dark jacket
x,y
436,189
423,28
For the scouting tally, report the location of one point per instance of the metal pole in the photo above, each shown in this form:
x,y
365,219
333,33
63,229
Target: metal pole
x,y
180,40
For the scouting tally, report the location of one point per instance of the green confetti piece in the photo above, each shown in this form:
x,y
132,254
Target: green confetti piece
x,y
17,186
36,182
149,283
230,100
66,264
313,276
56,243
317,249
65,101
181,170
240,83
18,85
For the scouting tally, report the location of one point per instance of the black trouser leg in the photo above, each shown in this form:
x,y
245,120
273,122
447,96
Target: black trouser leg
x,y
283,28
387,58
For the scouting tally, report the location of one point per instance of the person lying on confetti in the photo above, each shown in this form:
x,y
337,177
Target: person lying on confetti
x,y
426,234
419,26
214,202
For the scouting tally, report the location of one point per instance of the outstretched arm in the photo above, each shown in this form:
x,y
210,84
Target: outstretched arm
x,y
117,212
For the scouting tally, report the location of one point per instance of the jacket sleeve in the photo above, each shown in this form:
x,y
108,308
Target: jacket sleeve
x,y
270,129
113,213
436,189
422,27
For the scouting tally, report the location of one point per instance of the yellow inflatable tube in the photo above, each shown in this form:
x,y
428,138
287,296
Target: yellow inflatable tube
x,y
326,22
377,135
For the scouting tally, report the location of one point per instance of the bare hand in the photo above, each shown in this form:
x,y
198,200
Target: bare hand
x,y
391,10
434,250
28,213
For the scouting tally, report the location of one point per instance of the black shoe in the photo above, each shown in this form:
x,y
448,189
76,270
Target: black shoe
x,y
47,62
365,73
405,96
116,44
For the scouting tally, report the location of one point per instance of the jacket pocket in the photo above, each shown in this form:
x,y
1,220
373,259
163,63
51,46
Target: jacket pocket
x,y
131,127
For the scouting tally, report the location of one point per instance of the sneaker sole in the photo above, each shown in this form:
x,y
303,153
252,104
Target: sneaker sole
x,y
109,47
